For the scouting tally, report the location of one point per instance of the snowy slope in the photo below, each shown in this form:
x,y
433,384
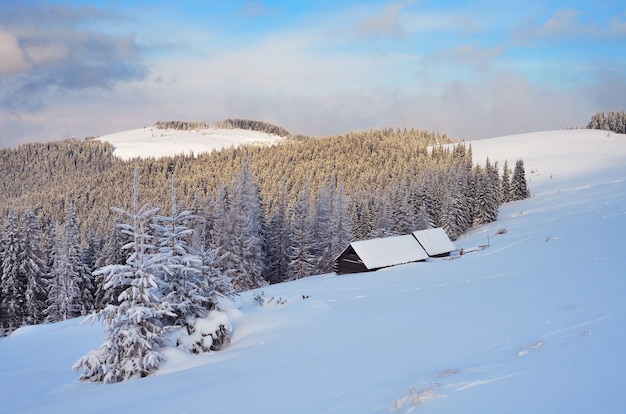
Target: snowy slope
x,y
153,142
534,323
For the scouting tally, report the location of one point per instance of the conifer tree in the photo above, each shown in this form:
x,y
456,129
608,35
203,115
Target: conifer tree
x,y
383,227
180,268
506,189
210,278
486,200
421,218
400,211
134,327
245,223
33,268
518,182
111,253
221,233
322,232
63,288
302,260
76,268
277,241
340,223
12,281
455,218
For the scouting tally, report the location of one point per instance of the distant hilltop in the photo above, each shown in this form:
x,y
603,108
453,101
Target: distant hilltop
x,y
234,123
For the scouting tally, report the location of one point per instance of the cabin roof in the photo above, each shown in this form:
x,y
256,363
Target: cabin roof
x,y
389,251
434,241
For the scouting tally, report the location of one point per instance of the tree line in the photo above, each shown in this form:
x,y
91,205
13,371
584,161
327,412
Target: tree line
x,y
614,121
231,123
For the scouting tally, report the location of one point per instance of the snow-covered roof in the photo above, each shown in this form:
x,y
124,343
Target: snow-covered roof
x,y
434,241
389,251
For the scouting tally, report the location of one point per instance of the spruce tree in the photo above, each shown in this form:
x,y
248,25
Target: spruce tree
x,y
245,223
277,241
211,280
302,260
33,268
134,327
63,287
340,223
111,253
518,182
12,281
383,227
180,268
322,232
76,268
506,189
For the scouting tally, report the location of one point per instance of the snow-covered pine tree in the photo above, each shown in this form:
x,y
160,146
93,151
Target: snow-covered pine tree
x,y
63,289
76,267
246,243
455,219
486,201
505,193
93,245
421,218
400,211
383,227
33,267
277,241
518,182
221,232
12,282
494,177
322,232
302,260
211,336
180,268
211,279
340,223
431,197
111,253
134,327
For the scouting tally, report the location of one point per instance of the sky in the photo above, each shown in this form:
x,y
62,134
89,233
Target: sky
x,y
470,69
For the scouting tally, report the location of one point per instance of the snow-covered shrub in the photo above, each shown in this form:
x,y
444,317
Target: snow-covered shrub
x,y
204,334
262,300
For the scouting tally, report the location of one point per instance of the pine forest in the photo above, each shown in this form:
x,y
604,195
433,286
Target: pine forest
x,y
82,231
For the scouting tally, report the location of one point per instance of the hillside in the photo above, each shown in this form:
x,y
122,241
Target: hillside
x,y
155,142
533,323
96,174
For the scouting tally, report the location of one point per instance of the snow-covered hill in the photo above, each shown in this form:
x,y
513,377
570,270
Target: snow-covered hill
x,y
534,323
154,142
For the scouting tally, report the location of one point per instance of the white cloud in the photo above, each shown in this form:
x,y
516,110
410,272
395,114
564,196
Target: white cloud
x,y
12,59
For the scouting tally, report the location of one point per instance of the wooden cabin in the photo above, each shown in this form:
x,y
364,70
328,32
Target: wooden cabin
x,y
374,254
369,255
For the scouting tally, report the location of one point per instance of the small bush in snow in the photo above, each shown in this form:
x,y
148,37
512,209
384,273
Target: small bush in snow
x,y
205,334
260,298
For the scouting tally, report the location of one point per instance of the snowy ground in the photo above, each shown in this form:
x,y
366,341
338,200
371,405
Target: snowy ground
x,y
533,323
154,142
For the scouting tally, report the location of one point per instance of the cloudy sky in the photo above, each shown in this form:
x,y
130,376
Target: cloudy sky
x,y
466,68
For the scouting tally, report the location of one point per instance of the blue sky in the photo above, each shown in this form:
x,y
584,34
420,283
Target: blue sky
x,y
470,69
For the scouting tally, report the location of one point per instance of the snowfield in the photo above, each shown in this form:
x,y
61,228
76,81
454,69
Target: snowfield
x,y
533,323
154,142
